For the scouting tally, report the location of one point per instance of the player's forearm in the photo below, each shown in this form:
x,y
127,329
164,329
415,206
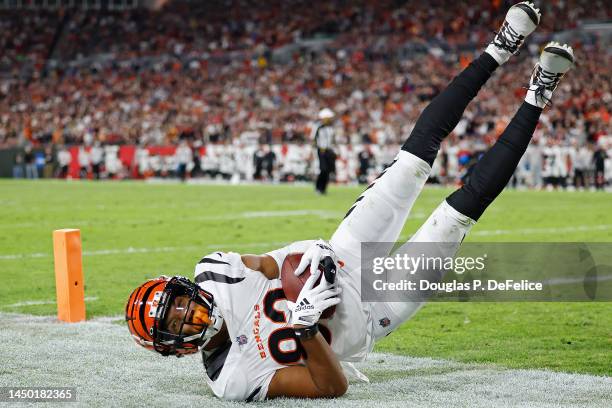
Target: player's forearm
x,y
262,263
324,367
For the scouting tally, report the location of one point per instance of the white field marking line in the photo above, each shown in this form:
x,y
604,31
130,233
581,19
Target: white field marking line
x,y
23,256
242,215
43,302
527,231
131,250
270,214
569,281
551,230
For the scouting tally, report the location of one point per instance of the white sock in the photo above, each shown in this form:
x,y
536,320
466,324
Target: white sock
x,y
498,54
531,98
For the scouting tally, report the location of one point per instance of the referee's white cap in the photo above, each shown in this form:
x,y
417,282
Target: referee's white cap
x,y
326,113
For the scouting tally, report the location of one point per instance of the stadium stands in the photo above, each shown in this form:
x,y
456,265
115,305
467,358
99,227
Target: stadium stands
x,y
252,73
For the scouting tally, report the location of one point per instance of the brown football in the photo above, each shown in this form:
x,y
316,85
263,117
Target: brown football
x,y
292,285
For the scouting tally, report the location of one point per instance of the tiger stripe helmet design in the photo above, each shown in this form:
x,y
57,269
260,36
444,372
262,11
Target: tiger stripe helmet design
x,y
140,311
146,309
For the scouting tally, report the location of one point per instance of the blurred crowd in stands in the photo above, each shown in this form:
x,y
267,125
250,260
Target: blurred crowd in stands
x,y
226,75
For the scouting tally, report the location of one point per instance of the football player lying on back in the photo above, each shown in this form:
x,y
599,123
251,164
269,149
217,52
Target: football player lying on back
x,y
255,343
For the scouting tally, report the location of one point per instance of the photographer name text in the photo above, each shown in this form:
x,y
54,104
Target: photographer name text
x,y
454,285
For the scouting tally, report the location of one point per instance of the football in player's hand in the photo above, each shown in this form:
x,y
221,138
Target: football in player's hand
x,y
292,285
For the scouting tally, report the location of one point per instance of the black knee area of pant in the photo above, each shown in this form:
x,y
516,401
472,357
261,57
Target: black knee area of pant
x,y
421,146
428,133
496,167
468,202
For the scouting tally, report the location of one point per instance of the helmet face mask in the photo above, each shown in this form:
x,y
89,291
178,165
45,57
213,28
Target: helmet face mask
x,y
148,309
178,343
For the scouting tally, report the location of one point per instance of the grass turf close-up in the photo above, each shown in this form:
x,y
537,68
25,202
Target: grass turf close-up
x,y
132,231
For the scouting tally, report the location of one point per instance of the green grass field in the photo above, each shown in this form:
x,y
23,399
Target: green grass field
x,y
132,231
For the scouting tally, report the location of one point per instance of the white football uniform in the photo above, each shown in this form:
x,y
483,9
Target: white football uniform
x,y
255,315
256,312
551,161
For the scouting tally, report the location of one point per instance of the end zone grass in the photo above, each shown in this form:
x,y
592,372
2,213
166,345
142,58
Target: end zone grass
x,y
107,369
132,231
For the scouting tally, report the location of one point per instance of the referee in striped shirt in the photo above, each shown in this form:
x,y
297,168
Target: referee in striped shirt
x,y
323,137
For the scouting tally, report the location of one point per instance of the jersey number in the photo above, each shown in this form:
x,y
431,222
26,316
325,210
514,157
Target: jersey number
x,y
278,337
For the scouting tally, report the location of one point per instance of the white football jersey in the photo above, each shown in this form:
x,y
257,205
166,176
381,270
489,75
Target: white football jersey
x,y
552,161
256,314
350,326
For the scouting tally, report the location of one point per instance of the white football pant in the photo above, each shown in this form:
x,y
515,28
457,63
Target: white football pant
x,y
379,215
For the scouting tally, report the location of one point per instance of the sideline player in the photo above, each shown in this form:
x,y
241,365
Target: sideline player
x,y
257,345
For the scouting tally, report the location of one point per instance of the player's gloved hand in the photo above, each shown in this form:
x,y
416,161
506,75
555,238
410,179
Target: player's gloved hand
x,y
318,252
313,300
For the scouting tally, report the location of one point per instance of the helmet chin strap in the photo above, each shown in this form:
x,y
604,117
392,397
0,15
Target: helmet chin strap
x,y
215,327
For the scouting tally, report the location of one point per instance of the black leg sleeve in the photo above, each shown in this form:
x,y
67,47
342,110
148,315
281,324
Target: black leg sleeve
x,y
444,112
491,174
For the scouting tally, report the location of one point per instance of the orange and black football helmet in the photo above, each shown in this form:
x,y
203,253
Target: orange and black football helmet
x,y
148,305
